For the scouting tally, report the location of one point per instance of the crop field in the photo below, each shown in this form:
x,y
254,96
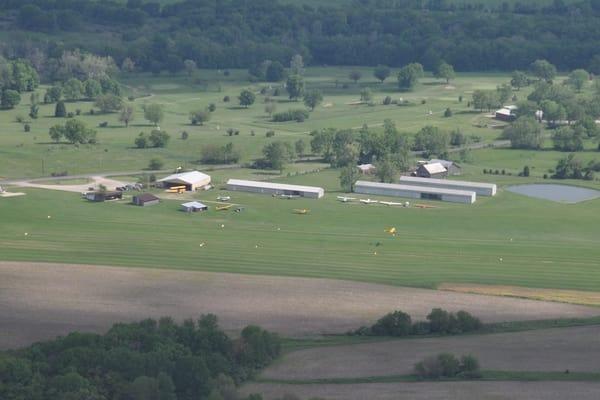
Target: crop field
x,y
435,391
92,298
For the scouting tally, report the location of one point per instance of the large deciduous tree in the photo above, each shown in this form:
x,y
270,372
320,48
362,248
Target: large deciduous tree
x,y
445,71
409,76
295,86
154,113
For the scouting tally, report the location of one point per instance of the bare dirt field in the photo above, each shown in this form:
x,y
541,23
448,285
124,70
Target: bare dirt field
x,y
576,349
435,391
40,301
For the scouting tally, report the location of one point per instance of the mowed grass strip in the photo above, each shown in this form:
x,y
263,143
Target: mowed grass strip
x,y
454,243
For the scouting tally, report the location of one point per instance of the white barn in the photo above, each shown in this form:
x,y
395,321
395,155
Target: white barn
x,y
312,192
482,189
415,192
192,180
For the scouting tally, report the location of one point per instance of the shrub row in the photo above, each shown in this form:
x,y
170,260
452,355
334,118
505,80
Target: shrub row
x,y
438,322
298,115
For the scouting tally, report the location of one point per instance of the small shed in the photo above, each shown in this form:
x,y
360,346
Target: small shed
x,y
452,167
434,170
193,206
103,196
506,114
145,199
366,168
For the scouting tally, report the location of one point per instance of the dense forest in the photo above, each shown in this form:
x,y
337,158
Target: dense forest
x,y
242,33
149,360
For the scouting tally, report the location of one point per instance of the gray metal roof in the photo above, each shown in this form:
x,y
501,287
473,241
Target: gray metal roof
x,y
277,186
447,182
420,189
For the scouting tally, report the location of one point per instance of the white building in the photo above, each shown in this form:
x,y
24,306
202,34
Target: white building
x,y
415,192
432,170
482,189
192,180
312,192
194,206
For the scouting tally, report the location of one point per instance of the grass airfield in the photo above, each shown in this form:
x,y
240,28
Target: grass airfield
x,y
505,240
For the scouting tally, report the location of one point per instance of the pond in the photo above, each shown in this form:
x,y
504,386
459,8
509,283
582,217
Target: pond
x,y
558,193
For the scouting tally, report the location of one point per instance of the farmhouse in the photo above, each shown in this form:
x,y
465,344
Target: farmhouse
x,y
482,189
275,188
194,206
145,199
506,114
434,170
415,192
103,196
192,180
452,167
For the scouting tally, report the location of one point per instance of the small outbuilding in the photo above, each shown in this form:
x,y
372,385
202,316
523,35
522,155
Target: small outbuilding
x,y
193,206
415,192
433,170
366,169
145,199
192,180
312,192
506,114
103,196
452,167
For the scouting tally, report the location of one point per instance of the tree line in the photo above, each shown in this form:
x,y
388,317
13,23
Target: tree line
x,y
148,360
239,34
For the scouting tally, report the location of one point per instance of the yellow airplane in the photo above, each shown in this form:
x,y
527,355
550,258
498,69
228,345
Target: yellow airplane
x,y
391,230
301,211
224,207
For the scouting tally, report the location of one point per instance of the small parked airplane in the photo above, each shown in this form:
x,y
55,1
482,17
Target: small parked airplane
x,y
369,201
223,198
391,230
224,207
345,199
301,211
391,203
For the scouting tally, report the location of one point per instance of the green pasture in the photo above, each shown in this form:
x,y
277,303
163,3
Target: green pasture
x,y
32,154
509,239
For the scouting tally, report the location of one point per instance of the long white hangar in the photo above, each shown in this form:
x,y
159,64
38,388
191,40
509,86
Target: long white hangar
x,y
415,192
311,192
482,189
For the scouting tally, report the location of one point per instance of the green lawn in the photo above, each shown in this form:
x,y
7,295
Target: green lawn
x,y
553,245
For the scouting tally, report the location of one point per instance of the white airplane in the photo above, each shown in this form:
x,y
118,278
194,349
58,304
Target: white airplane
x,y
391,203
369,201
345,199
224,198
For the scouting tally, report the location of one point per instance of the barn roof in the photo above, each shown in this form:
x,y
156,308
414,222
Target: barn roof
x,y
446,163
144,197
435,168
188,178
